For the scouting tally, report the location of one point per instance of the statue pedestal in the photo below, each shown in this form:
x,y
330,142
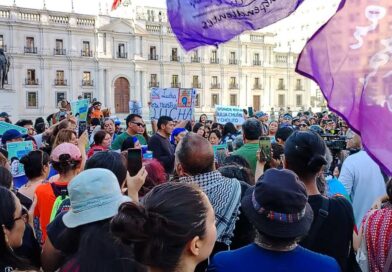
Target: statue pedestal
x,y
9,102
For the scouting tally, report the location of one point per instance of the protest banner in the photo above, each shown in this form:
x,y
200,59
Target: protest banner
x,y
4,126
197,23
179,104
16,150
79,109
135,107
226,114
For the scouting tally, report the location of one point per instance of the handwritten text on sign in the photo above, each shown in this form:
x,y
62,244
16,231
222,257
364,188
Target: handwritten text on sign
x,y
179,104
226,114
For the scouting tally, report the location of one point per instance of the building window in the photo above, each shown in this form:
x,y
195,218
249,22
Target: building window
x,y
195,82
233,83
195,56
214,83
298,85
88,96
281,84
256,103
175,83
257,85
32,100
153,53
214,100
233,100
154,80
2,45
197,100
86,52
256,59
232,59
60,96
60,78
174,54
30,48
59,50
121,51
214,57
31,79
86,81
281,100
298,100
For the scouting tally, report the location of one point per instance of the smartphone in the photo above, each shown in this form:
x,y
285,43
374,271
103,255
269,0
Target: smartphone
x,y
230,147
220,155
82,127
134,161
250,111
265,148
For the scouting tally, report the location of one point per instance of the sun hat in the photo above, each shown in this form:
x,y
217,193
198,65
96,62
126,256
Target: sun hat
x,y
260,114
95,195
11,134
66,149
278,205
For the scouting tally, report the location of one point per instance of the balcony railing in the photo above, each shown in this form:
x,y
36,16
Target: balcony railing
x,y
58,51
214,61
152,57
281,87
87,82
299,87
233,61
29,81
195,59
86,53
196,85
256,86
60,82
174,58
4,47
153,84
215,86
30,50
256,62
233,86
122,55
175,85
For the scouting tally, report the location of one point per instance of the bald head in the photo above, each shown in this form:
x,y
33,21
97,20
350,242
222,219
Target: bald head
x,y
194,155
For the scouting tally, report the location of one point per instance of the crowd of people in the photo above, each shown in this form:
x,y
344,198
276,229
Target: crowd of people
x,y
312,200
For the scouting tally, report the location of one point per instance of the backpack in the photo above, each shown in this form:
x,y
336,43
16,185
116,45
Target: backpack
x,y
61,193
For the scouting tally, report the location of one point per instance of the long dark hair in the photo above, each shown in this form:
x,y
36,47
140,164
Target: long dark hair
x,y
161,228
229,128
7,211
98,250
196,127
5,178
305,153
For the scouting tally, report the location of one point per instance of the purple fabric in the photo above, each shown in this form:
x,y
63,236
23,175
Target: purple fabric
x,y
350,59
210,22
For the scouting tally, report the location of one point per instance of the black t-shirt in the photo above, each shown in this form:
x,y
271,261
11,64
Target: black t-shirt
x,y
163,151
334,237
61,240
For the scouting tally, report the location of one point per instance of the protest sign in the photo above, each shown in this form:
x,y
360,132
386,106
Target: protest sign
x,y
4,126
179,104
226,114
79,109
135,107
16,151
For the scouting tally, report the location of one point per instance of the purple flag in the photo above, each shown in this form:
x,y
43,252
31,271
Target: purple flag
x,y
210,22
350,59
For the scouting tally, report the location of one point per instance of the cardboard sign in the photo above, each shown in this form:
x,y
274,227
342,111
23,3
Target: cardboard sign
x,y
135,107
178,104
79,109
16,151
226,114
4,126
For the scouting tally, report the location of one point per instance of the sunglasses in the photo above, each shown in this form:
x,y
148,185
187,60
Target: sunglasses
x,y
303,125
139,124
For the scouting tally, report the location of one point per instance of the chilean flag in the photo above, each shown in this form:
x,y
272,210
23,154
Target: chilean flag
x,y
115,4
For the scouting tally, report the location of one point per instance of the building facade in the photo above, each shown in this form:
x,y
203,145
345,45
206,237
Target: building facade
x,y
59,55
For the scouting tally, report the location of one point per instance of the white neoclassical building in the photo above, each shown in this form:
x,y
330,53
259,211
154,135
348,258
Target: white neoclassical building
x,y
59,55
